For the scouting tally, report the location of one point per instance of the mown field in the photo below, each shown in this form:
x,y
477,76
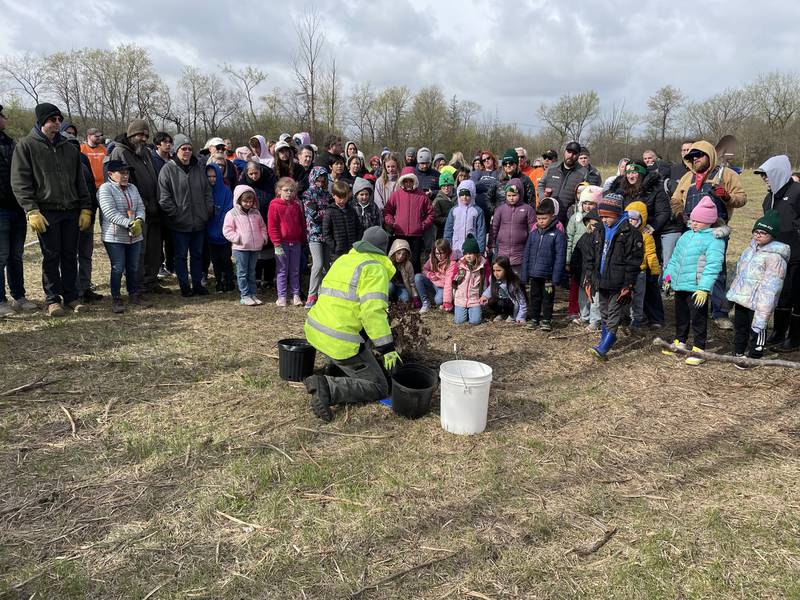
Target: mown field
x,y
164,458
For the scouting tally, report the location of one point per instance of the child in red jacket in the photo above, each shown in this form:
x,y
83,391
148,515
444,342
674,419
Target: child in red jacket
x,y
286,226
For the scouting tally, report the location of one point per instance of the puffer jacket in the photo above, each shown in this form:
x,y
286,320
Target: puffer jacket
x,y
786,201
622,262
185,197
223,202
759,278
463,220
442,205
506,291
115,204
484,183
341,228
650,260
464,285
696,261
652,194
404,273
437,276
315,202
497,195
545,254
244,230
408,213
511,226
48,175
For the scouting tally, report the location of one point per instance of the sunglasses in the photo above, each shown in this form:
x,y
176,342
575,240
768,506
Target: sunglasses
x,y
508,163
487,159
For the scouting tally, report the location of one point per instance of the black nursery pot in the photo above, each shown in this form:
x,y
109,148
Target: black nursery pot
x,y
295,359
412,389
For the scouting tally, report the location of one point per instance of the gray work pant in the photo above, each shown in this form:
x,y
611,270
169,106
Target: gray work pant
x,y
85,249
365,381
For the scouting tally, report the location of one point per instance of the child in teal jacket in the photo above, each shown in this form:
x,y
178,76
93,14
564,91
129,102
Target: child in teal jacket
x,y
692,269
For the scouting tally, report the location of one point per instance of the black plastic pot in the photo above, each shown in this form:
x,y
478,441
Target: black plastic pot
x,y
295,359
412,389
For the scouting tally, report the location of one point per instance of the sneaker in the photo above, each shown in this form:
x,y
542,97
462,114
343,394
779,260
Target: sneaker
x,y
577,321
509,319
204,281
695,360
593,327
248,301
280,302
55,310
426,307
200,290
117,306
23,304
497,319
656,325
90,296
139,301
311,301
677,344
163,272
77,306
532,324
297,300
738,366
545,325
573,318
723,323
256,301
6,310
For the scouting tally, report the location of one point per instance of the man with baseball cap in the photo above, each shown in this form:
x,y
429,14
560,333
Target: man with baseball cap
x,y
561,181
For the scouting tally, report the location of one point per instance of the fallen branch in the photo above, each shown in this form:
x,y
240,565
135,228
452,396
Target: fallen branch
x,y
28,386
71,420
154,590
744,361
238,521
399,574
586,551
350,435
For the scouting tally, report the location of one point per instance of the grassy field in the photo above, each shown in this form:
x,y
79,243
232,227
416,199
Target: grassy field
x,y
166,459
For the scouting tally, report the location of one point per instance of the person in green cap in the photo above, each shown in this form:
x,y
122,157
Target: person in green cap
x,y
443,202
757,285
509,169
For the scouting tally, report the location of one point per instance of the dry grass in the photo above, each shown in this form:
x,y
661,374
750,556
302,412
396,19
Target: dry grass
x,y
195,472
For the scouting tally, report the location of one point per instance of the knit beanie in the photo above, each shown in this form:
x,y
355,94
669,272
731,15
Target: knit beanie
x,y
591,193
439,156
181,139
138,126
705,211
634,214
376,236
770,222
411,151
610,205
45,110
510,156
446,179
423,155
361,184
592,215
470,245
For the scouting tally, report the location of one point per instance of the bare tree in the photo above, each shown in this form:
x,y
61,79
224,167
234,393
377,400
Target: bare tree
x,y
428,112
306,61
218,106
570,116
613,128
28,73
391,107
247,80
663,107
719,115
329,93
362,115
776,99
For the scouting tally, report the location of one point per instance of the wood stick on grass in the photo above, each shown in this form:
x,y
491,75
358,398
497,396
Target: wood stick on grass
x,y
399,574
586,551
238,521
28,386
350,435
71,420
737,360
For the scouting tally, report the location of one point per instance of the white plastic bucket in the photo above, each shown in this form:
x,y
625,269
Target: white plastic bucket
x,y
464,396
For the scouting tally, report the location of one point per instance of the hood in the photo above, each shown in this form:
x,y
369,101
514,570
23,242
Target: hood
x,y
244,153
264,153
316,172
641,208
778,170
707,148
265,183
66,125
408,173
399,244
468,185
516,182
775,247
302,139
361,184
241,189
219,186
347,145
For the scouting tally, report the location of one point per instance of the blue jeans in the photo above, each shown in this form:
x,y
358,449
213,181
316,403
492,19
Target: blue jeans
x,y
246,271
398,293
124,259
473,314
426,288
13,229
191,243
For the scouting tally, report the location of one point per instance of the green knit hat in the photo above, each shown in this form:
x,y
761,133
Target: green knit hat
x,y
470,245
446,179
510,155
770,222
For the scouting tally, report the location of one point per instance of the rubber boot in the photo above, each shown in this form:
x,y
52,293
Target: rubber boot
x,y
780,324
792,341
606,342
317,386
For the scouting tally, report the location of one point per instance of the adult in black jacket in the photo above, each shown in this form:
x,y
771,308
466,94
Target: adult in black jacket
x,y
341,225
509,169
332,148
783,196
561,181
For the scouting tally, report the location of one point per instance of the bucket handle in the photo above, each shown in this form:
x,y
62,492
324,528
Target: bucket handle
x,y
464,381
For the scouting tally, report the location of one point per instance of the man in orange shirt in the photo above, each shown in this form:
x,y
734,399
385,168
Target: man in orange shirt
x,y
533,173
95,151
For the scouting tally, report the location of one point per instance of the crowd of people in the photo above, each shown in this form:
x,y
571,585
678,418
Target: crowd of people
x,y
489,236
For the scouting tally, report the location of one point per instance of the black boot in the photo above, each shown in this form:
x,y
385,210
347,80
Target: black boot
x,y
317,386
780,325
792,342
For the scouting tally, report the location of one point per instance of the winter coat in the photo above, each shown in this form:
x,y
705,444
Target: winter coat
x,y
7,199
408,213
786,201
484,182
511,226
503,291
115,204
442,205
575,230
48,175
341,228
428,180
383,191
369,215
545,254
759,278
315,202
464,284
264,188
285,222
650,260
142,175
405,271
223,202
185,197
579,251
497,195
564,185
696,261
463,220
437,276
652,194
244,230
621,265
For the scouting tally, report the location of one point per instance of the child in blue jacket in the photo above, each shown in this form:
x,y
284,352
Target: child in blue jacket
x,y
219,248
691,272
543,264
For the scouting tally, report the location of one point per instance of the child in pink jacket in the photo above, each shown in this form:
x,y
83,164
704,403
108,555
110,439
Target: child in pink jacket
x,y
245,230
469,277
433,278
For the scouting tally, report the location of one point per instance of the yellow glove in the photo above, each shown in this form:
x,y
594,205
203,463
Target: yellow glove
x,y
700,297
135,227
85,219
390,360
37,221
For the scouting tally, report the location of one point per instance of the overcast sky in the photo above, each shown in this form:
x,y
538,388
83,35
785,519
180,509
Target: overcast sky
x,y
509,56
